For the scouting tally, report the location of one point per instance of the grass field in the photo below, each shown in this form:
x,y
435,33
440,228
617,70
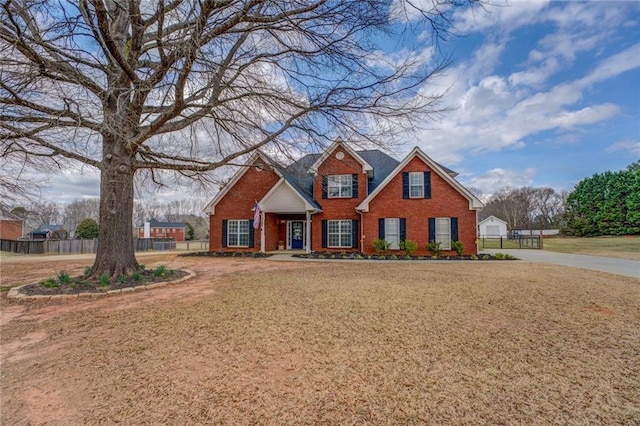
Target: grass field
x,y
252,341
623,247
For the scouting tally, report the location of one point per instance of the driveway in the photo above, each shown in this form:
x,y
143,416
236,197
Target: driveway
x,y
629,268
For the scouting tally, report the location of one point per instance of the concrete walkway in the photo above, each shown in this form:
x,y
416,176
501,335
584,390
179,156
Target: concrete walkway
x,y
629,268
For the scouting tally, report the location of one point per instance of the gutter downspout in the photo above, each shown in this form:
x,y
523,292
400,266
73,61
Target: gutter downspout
x,y
361,230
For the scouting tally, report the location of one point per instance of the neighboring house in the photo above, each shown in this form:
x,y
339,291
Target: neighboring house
x,y
342,200
11,226
155,229
493,227
45,232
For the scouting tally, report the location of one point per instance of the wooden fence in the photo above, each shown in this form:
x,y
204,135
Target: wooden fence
x,y
79,246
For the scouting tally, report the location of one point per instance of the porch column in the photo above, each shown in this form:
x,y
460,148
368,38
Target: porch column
x,y
262,242
308,232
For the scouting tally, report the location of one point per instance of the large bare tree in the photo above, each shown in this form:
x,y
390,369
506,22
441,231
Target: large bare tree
x,y
132,86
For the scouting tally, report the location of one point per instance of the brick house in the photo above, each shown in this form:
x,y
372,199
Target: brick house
x,y
156,229
11,226
342,200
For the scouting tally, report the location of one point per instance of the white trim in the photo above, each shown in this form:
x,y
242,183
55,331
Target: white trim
x,y
307,246
366,167
274,188
474,202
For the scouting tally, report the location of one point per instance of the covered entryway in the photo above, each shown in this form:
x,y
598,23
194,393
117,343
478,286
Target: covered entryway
x,y
286,206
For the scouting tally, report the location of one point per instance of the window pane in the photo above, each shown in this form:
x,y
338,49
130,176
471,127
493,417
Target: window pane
x,y
416,183
392,232
339,233
443,232
339,186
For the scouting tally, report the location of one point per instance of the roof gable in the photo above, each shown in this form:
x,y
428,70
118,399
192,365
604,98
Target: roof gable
x,y
366,167
474,202
211,205
504,222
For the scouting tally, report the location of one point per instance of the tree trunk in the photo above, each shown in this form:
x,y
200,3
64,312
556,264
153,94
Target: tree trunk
x,y
115,254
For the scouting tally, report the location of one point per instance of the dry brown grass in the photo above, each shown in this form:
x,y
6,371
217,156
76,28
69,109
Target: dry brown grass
x,y
335,343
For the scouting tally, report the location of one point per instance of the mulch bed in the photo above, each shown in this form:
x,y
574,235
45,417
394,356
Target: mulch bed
x,y
226,254
360,256
80,284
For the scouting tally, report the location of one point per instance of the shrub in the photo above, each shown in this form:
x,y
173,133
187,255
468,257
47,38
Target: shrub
x,y
381,246
87,229
486,257
122,279
458,247
50,283
63,277
135,276
408,247
499,256
160,271
104,280
435,248
474,257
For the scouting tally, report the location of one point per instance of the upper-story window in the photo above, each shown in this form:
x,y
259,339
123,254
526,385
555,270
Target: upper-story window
x,y
339,186
416,185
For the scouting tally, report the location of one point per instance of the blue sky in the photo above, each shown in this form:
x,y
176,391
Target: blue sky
x,y
543,94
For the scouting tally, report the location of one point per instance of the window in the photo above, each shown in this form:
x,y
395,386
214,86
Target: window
x,y
416,185
392,233
339,233
339,186
443,232
238,233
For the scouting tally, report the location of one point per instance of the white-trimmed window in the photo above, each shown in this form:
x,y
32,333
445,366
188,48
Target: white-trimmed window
x,y
238,233
339,233
443,232
416,185
339,186
392,232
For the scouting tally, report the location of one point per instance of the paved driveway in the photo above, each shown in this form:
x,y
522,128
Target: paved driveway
x,y
630,268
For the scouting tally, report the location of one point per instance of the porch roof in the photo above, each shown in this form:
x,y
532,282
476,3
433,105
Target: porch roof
x,y
285,197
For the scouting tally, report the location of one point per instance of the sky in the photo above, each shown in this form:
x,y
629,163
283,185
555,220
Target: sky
x,y
542,93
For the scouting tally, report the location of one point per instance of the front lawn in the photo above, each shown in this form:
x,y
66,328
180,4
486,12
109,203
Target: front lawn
x,y
332,343
622,247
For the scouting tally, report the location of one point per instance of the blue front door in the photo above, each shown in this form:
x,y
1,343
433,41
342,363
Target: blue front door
x,y
297,234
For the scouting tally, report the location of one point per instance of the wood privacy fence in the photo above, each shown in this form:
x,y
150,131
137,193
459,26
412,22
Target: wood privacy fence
x,y
79,246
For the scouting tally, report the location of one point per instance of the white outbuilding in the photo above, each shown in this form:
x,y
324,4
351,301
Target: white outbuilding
x,y
493,227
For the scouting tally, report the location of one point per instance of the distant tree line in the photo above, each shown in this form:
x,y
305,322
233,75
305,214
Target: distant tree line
x,y
606,204
81,215
527,207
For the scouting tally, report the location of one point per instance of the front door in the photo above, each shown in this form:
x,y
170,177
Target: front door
x,y
296,234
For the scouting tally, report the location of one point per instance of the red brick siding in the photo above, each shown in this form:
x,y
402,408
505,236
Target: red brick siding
x,y
336,208
156,232
445,201
10,229
238,204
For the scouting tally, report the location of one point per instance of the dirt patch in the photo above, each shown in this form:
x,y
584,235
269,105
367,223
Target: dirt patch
x,y
258,341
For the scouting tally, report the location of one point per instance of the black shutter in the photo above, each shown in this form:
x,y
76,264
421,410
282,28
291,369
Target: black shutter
x,y
354,186
405,185
324,234
224,233
432,229
252,232
354,234
403,229
381,228
454,229
325,183
427,184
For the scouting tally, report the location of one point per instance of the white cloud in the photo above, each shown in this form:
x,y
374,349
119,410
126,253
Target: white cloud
x,y
498,178
630,147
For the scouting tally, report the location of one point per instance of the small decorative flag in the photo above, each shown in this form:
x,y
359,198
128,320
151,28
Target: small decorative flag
x,y
256,216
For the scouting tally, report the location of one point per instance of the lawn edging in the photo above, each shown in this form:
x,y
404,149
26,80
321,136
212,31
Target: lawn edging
x,y
14,292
